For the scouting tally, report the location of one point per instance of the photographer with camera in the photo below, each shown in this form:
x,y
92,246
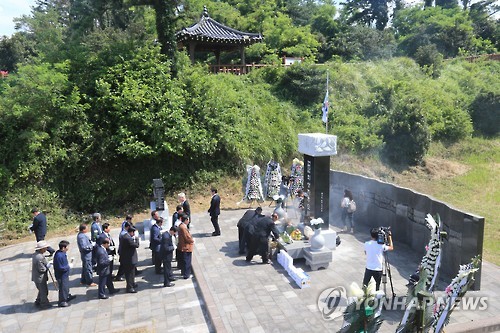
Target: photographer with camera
x,y
374,249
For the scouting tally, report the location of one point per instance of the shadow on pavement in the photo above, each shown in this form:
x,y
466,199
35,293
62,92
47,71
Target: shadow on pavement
x,y
201,235
18,256
230,249
28,307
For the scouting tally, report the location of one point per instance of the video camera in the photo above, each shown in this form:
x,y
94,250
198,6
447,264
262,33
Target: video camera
x,y
383,233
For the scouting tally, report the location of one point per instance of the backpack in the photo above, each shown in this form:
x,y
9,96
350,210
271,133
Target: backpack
x,y
351,207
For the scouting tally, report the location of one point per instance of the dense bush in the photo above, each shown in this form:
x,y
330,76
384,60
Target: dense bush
x,y
429,58
16,205
406,133
302,84
485,111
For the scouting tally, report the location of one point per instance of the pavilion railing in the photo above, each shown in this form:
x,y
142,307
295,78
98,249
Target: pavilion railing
x,y
235,69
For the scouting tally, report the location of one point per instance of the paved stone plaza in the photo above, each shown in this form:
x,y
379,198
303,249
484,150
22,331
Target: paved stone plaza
x,y
226,294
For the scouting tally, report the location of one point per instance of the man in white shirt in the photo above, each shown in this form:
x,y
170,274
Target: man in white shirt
x,y
375,257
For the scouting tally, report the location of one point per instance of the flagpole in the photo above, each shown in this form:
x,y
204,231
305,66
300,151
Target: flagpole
x,y
326,124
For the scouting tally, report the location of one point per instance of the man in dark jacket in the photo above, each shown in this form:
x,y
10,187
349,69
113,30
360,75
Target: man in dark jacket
x,y
251,239
103,261
242,223
166,254
125,226
214,211
39,227
128,257
111,249
154,244
260,242
61,270
177,215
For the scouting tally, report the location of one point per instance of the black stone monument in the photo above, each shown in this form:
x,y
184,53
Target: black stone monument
x,y
317,186
159,194
317,149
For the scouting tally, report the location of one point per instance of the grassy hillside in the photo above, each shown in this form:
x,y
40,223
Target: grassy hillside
x,y
465,175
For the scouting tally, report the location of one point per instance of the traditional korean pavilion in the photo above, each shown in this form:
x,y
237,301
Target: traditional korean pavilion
x,y
209,35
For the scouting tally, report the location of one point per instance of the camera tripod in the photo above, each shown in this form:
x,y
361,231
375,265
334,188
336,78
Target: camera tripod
x,y
386,271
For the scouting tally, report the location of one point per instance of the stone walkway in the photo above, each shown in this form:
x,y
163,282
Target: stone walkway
x,y
226,295
153,308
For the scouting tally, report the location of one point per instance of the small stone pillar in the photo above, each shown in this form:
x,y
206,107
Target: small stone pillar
x,y
317,149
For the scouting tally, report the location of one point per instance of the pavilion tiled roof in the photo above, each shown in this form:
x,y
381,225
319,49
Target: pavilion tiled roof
x,y
211,31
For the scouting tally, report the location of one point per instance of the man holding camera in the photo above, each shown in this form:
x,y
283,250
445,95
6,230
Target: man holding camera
x,y
374,250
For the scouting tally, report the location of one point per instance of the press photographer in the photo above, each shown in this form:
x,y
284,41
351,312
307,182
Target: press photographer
x,y
381,241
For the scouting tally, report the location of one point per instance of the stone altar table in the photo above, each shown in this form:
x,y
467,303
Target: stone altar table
x,y
314,259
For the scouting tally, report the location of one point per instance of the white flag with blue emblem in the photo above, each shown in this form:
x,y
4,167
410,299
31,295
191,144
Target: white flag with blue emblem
x,y
324,108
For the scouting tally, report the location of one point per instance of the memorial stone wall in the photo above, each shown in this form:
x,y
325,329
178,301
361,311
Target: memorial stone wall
x,y
404,210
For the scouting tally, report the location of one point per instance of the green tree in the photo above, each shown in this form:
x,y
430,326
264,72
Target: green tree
x,y
43,126
447,3
326,27
363,43
15,50
288,40
485,112
482,14
47,30
429,58
406,134
257,12
302,84
449,29
86,16
373,13
300,11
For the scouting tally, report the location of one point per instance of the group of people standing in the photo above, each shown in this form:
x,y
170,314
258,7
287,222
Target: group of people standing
x,y
254,230
163,243
165,240
98,252
40,268
97,255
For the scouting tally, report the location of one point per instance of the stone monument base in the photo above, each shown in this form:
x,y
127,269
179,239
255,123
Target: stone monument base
x,y
318,259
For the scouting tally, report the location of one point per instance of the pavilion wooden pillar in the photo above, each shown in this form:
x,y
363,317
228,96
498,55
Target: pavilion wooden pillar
x,y
192,47
242,53
217,56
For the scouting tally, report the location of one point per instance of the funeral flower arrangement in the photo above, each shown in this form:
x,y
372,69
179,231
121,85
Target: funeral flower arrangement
x,y
272,180
253,191
454,293
435,315
296,176
316,223
432,259
364,308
